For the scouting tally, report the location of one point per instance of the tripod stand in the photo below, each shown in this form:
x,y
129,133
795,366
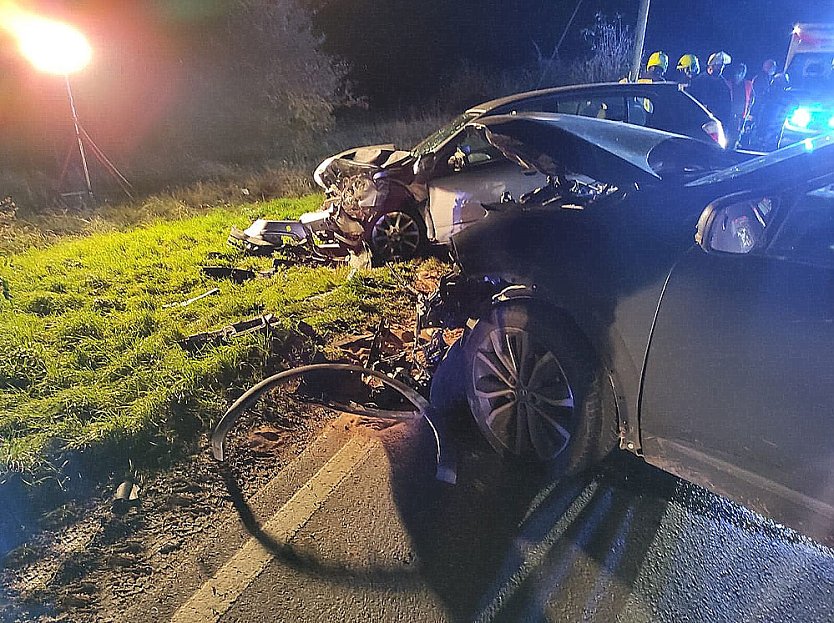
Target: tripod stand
x,y
82,139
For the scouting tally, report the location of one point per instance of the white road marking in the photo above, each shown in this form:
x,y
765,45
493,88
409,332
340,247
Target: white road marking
x,y
214,598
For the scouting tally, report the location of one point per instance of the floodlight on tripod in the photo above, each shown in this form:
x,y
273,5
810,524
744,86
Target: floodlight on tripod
x,y
59,49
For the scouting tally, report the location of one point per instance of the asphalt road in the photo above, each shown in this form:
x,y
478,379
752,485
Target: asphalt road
x,y
368,535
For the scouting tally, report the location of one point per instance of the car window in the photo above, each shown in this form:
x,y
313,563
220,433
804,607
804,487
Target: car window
x,y
640,110
468,150
653,112
806,233
601,107
674,112
437,138
546,103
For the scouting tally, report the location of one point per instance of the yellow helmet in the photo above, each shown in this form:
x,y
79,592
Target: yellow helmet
x,y
658,59
690,62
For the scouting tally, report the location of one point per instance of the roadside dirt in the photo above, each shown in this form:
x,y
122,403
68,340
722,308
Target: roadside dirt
x,y
92,559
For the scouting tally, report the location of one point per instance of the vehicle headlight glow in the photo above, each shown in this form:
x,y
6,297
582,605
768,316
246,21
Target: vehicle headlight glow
x,y
801,118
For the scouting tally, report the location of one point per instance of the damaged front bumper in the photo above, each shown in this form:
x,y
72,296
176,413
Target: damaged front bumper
x,y
264,237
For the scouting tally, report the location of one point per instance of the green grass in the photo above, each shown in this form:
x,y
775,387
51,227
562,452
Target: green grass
x,y
90,359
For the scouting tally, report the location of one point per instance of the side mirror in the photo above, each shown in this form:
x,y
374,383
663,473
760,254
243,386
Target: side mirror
x,y
736,226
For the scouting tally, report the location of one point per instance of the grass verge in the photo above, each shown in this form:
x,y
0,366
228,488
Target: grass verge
x,y
90,361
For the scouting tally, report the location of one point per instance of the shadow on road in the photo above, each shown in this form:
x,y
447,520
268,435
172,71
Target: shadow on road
x,y
624,542
503,542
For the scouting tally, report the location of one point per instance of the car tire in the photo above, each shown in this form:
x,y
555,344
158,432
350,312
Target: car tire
x,y
536,390
397,235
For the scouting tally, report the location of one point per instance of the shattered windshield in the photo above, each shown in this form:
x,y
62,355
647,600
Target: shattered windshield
x,y
436,139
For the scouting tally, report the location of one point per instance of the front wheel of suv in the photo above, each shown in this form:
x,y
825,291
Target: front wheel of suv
x,y
536,390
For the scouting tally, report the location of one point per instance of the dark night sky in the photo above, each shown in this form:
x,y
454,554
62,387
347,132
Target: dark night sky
x,y
404,45
750,30
398,47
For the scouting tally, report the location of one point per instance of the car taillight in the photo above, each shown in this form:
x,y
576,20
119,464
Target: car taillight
x,y
716,132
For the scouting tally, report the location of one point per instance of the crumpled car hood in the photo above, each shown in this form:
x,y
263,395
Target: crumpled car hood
x,y
607,151
359,160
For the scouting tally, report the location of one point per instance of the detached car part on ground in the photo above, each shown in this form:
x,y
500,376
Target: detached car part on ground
x,y
592,320
391,203
421,409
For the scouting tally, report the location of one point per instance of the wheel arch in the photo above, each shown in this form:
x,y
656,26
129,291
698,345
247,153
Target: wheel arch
x,y
520,293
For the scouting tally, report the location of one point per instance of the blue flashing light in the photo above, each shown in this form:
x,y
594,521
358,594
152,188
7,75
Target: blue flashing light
x,y
831,122
801,118
809,144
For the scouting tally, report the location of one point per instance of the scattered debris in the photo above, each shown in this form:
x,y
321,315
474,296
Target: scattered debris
x,y
127,496
237,275
211,292
197,341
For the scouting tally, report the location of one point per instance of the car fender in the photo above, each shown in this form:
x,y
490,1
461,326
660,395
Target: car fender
x,y
395,196
629,434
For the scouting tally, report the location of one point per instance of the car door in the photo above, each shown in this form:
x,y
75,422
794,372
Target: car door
x,y
469,173
738,387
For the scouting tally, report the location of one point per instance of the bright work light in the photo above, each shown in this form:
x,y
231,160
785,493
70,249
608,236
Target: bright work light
x,y
51,46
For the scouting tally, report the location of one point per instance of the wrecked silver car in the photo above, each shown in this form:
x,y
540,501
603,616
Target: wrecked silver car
x,y
392,203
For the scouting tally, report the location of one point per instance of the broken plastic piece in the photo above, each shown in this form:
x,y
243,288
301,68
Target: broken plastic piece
x,y
198,340
192,300
127,495
237,275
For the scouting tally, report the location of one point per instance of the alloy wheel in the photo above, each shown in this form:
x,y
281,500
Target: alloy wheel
x,y
396,235
523,399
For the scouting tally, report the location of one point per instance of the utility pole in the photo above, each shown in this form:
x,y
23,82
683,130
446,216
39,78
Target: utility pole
x,y
639,39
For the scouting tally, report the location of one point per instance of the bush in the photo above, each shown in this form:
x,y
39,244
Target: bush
x,y
263,82
611,43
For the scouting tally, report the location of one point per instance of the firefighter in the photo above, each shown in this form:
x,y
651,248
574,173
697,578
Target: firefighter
x,y
763,79
656,67
741,94
688,69
712,91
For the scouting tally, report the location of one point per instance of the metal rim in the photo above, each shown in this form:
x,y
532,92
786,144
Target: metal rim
x,y
523,399
396,234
